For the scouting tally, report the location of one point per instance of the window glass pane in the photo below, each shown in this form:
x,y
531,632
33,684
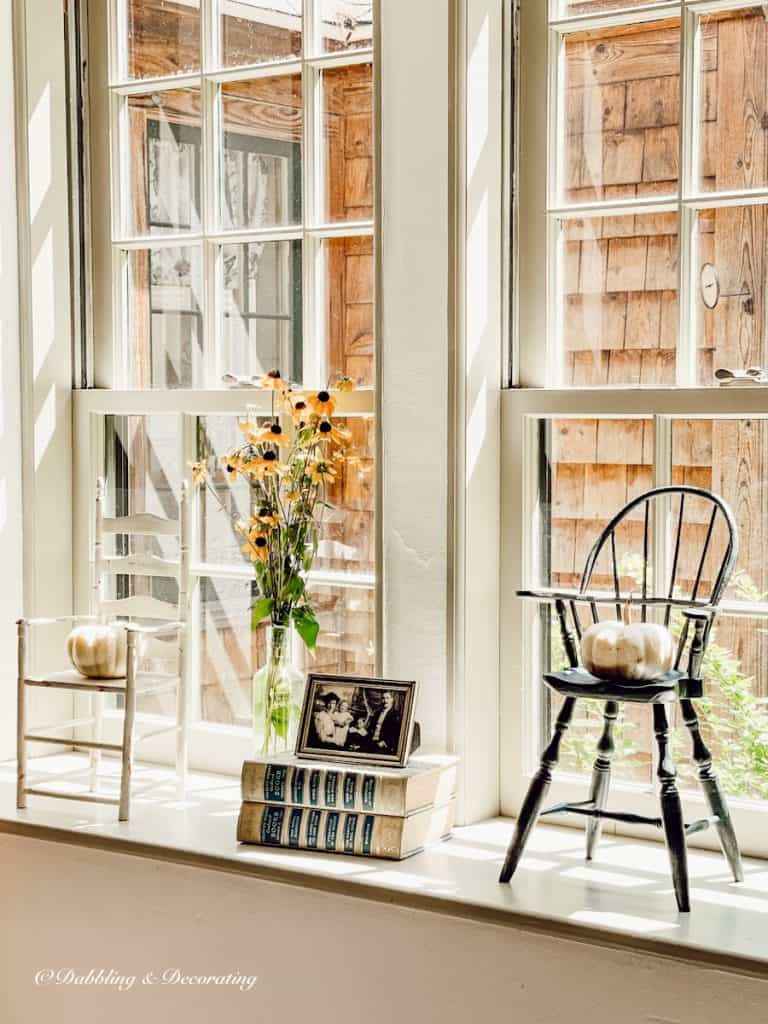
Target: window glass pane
x,y
590,469
261,326
733,55
622,112
617,292
729,457
163,37
164,162
252,32
570,8
165,339
349,276
261,154
230,651
731,260
346,24
348,137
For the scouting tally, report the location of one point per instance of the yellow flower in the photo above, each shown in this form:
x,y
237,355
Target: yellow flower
x,y
257,547
322,404
266,465
346,384
230,462
265,518
321,472
248,426
337,435
293,496
199,472
273,381
276,435
299,411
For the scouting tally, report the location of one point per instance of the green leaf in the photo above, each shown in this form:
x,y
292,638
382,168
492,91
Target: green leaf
x,y
261,610
295,587
307,626
279,719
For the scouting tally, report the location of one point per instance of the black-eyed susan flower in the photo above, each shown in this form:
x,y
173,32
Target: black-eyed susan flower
x,y
276,435
299,411
265,518
267,464
346,384
230,462
322,404
336,435
321,472
257,547
272,381
199,472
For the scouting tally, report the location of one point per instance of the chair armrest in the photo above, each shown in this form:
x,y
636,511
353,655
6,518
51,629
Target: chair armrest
x,y
704,612
48,621
687,608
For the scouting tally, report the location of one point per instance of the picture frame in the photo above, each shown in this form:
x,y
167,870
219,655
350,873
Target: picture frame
x,y
357,720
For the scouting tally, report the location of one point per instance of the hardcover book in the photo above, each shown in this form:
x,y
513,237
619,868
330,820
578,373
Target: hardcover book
x,y
350,832
284,779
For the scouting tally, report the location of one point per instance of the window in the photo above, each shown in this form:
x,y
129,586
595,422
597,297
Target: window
x,y
239,237
642,215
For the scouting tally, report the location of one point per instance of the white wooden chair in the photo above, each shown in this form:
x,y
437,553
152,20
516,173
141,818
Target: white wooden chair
x,y
164,641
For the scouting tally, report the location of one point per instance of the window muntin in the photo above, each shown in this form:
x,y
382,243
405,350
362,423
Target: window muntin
x,y
652,111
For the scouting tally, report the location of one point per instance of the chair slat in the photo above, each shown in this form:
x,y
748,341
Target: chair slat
x,y
139,606
141,565
675,558
646,517
142,523
616,587
704,552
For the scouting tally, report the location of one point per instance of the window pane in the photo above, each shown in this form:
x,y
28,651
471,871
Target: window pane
x,y
261,327
732,265
590,469
163,37
165,339
730,457
230,651
252,32
734,711
348,149
261,154
622,112
349,275
346,24
617,291
164,162
570,8
734,90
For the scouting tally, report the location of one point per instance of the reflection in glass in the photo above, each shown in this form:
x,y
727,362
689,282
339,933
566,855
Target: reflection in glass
x,y
349,296
164,155
346,24
261,327
733,150
348,142
253,32
165,317
261,157
163,37
621,112
617,290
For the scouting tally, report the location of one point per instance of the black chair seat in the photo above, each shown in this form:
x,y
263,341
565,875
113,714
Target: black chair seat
x,y
577,682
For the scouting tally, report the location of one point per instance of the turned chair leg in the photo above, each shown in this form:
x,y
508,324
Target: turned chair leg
x,y
713,793
537,791
601,776
671,810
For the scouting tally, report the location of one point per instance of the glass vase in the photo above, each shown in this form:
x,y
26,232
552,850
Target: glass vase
x,y
278,692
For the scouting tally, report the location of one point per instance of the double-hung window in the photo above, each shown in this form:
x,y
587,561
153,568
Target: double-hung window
x,y
642,226
233,189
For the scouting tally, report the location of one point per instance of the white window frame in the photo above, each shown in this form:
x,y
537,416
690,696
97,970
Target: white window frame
x,y
540,70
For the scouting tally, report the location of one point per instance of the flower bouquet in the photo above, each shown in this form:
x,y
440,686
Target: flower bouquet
x,y
289,464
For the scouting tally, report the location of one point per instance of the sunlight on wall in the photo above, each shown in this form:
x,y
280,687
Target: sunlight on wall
x,y
40,151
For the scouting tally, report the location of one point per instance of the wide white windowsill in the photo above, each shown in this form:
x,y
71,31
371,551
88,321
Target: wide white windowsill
x,y
624,898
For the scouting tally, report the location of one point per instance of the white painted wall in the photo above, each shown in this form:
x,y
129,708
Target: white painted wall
x,y
10,415
321,958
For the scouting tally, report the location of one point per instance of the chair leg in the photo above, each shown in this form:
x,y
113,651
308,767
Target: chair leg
x,y
671,810
21,718
601,776
713,793
128,721
537,791
97,713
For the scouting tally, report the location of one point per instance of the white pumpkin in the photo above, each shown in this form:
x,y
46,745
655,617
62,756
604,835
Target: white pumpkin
x,y
631,652
98,651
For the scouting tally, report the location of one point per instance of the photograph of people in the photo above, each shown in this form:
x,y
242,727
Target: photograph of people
x,y
363,719
323,720
384,725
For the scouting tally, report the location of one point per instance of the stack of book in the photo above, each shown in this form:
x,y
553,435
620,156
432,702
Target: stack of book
x,y
366,811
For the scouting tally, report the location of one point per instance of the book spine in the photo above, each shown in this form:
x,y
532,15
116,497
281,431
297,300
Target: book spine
x,y
325,788
324,830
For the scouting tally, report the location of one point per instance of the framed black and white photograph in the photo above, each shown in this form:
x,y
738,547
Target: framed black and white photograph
x,y
357,719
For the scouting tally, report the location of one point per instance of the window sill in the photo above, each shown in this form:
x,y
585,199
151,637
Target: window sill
x,y
622,900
